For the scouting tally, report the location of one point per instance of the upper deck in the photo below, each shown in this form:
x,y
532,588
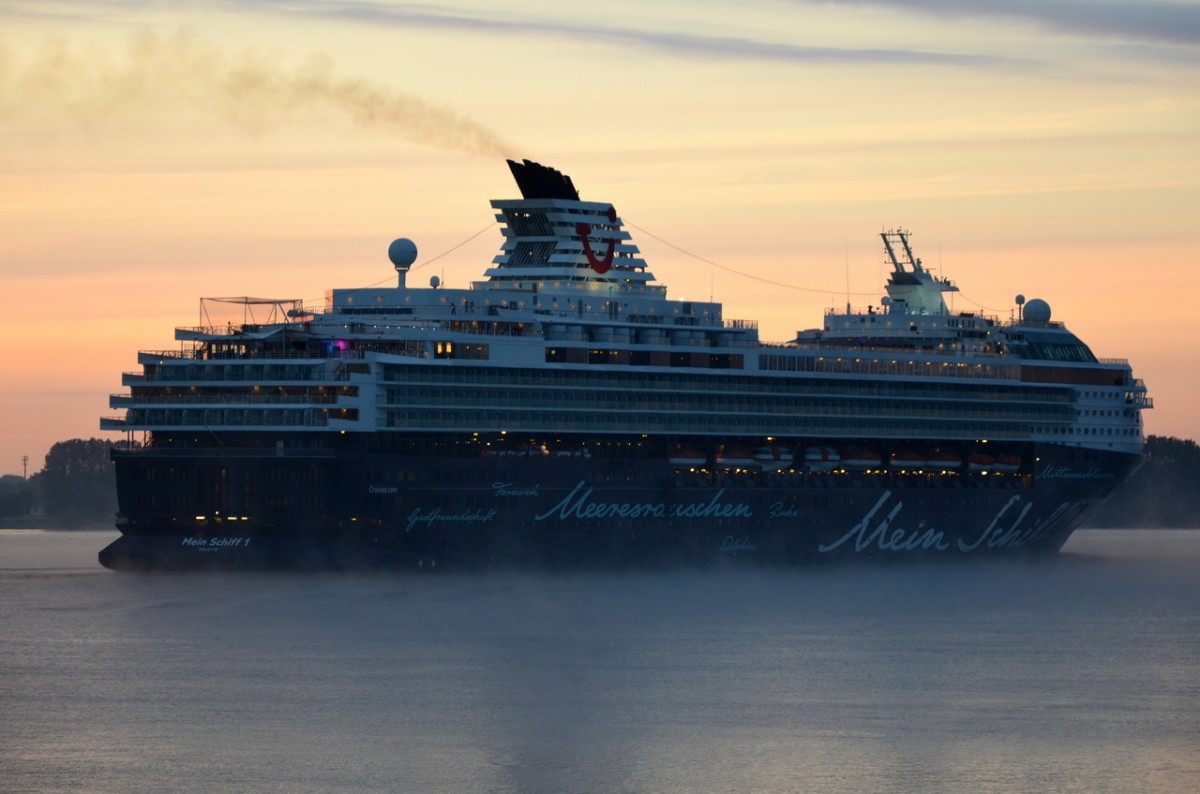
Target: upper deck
x,y
569,300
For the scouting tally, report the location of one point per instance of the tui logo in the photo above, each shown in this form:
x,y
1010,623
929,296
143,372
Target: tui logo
x,y
599,264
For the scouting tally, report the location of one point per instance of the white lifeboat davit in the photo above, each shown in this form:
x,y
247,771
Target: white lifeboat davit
x,y
772,457
941,459
821,459
735,458
687,456
860,459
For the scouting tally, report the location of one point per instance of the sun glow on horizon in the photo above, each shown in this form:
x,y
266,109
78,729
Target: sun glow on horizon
x,y
152,157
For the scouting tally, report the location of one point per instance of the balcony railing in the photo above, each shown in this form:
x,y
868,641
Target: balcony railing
x,y
127,400
226,452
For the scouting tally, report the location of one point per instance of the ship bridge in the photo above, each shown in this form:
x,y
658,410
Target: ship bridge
x,y
911,289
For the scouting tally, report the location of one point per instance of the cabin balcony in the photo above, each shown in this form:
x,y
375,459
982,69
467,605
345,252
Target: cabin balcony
x,y
143,418
185,400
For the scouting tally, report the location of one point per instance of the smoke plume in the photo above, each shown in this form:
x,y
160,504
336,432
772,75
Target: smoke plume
x,y
161,75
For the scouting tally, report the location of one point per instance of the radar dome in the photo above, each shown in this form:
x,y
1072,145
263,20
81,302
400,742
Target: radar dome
x,y
435,282
402,252
1037,311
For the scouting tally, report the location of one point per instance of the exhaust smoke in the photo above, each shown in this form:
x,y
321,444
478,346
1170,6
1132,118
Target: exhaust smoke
x,y
96,91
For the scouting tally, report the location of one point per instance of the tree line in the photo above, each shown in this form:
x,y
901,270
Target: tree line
x,y
1163,493
77,488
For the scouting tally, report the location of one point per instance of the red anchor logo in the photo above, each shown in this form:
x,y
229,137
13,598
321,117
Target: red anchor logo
x,y
599,264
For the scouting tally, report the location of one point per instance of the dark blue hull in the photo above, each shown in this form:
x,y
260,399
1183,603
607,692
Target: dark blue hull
x,y
386,511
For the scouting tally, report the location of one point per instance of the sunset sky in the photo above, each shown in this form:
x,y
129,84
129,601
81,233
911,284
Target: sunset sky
x,y
150,156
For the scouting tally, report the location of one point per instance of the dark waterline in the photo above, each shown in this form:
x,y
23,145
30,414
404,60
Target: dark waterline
x,y
1077,674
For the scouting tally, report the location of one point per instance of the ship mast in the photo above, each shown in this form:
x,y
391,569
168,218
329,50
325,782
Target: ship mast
x,y
911,288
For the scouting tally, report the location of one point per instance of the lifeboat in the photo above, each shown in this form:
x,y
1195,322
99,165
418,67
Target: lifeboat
x,y
772,458
978,461
735,458
940,459
821,459
907,460
1007,463
687,456
860,459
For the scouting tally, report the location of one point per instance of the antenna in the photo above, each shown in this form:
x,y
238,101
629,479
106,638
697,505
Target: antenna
x,y
846,250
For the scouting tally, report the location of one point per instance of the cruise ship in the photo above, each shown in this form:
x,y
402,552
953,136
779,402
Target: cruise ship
x,y
564,412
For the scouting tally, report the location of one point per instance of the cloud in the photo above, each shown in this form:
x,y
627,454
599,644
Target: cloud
x,y
1175,23
671,42
95,90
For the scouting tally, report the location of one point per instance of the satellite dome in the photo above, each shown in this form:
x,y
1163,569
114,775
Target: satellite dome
x,y
1037,311
435,282
402,252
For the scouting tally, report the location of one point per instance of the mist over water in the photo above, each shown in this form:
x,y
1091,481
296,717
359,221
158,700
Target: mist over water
x,y
1077,674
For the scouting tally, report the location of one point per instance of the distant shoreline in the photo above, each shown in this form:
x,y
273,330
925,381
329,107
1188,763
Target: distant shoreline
x,y
10,525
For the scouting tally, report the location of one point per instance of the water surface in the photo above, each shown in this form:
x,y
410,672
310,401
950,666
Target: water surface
x,y
1077,674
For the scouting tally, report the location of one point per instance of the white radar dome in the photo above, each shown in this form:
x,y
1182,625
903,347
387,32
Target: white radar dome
x,y
1037,311
402,252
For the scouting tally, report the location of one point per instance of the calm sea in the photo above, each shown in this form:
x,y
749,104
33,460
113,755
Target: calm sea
x,y
1077,674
